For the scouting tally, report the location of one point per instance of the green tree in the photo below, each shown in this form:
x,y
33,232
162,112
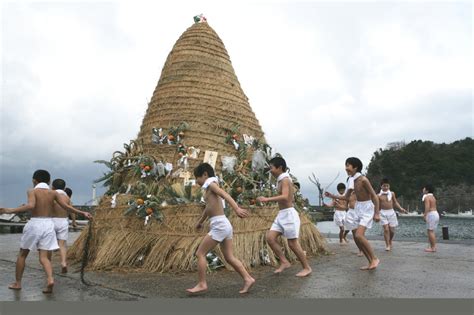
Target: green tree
x,y
408,167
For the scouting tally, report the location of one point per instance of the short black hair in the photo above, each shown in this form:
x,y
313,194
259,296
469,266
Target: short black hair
x,y
42,176
384,181
59,183
297,185
429,188
356,163
68,191
204,168
278,162
341,186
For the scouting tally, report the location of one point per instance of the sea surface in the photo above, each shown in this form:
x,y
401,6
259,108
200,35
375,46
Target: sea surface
x,y
460,228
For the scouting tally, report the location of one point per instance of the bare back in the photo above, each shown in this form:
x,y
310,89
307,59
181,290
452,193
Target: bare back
x,y
58,211
213,203
285,186
430,203
43,201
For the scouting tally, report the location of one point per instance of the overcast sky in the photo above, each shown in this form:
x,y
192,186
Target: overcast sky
x,y
326,80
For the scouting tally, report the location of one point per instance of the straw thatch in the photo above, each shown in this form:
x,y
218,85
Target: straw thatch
x,y
197,86
124,242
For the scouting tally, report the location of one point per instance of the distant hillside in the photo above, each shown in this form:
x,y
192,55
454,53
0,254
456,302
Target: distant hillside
x,y
449,167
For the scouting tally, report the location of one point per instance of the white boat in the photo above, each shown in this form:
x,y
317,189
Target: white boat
x,y
466,213
10,217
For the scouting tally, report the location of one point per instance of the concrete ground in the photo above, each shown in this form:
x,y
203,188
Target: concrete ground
x,y
406,272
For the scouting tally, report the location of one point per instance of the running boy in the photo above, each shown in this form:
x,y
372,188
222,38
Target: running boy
x,y
365,213
220,228
38,233
431,216
340,208
388,217
287,222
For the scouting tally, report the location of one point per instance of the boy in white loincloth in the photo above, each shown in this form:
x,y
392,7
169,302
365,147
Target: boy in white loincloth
x,y
431,216
388,217
61,222
340,209
39,233
220,228
287,222
366,208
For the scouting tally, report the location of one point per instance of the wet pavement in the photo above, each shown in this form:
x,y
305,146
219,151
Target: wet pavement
x,y
406,272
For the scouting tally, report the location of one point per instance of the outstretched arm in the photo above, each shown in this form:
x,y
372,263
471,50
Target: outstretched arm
x,y
27,207
70,208
346,196
332,204
396,204
284,196
242,213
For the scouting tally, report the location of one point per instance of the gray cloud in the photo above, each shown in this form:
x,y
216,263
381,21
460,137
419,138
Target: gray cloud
x,y
16,175
326,81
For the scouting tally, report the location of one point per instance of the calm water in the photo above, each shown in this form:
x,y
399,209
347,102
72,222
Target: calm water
x,y
415,227
408,227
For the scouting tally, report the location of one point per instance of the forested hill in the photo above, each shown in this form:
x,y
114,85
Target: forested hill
x,y
449,167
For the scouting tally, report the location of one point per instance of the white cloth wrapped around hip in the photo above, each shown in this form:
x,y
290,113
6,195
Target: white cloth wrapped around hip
x,y
388,217
350,222
220,228
363,215
339,217
39,233
432,220
61,228
287,223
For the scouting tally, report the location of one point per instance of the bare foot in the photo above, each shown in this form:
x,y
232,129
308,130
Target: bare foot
x,y
49,288
198,288
15,286
64,269
388,248
305,272
247,285
365,267
360,254
282,267
430,250
374,264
